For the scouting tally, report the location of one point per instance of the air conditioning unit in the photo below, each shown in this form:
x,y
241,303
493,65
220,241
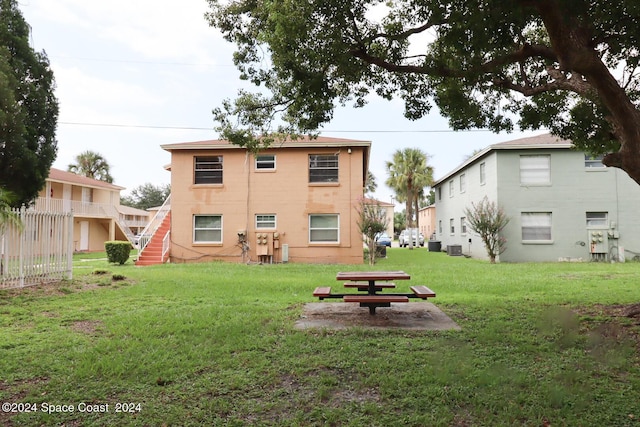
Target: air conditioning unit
x,y
454,250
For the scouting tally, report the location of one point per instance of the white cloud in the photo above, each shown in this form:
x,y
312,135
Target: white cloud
x,y
161,30
85,97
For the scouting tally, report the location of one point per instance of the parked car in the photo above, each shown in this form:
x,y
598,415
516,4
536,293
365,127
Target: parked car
x,y
383,239
418,238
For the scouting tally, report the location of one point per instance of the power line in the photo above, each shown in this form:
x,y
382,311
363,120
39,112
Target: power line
x,y
322,131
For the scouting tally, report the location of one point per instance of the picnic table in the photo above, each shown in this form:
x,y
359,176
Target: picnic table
x,y
370,285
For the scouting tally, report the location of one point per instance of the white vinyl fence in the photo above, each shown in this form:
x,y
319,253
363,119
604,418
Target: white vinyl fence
x,y
40,251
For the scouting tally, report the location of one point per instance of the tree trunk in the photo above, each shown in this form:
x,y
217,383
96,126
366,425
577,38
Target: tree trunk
x,y
572,41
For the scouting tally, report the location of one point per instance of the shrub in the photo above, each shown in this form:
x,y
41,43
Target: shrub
x,y
488,219
117,251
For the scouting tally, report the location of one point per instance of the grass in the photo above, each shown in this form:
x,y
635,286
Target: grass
x,y
214,344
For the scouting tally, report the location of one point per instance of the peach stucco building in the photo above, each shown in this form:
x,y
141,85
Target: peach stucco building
x,y
294,202
97,213
427,220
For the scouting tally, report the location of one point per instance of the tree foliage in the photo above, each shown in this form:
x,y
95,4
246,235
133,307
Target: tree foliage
x,y
370,185
147,196
409,174
8,217
570,66
92,165
487,219
28,110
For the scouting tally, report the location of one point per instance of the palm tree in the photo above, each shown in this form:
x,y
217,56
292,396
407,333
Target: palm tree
x,y
92,165
409,174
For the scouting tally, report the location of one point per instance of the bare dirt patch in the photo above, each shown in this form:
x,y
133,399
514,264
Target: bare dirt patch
x,y
89,327
625,320
64,287
17,391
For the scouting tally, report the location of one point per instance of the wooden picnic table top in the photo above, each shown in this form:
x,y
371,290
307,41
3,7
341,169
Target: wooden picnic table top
x,y
372,275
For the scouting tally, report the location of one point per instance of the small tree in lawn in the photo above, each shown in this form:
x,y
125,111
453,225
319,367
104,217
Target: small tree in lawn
x,y
372,219
488,219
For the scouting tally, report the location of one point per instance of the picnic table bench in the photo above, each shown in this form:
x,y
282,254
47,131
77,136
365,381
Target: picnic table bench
x,y
373,282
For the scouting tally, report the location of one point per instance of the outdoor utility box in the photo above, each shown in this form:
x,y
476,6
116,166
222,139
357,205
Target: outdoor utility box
x,y
434,245
454,250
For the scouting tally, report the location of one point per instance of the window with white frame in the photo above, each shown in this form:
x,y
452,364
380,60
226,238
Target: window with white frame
x,y
265,162
452,226
463,225
483,173
597,219
208,170
535,169
591,161
207,228
536,226
463,183
323,168
451,187
439,193
265,221
324,228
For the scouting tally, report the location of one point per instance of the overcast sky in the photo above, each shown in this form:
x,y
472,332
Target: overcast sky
x,y
133,75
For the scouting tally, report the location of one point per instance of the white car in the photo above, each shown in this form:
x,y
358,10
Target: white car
x,y
418,238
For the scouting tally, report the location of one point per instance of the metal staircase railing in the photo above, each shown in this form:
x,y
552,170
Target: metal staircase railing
x,y
154,224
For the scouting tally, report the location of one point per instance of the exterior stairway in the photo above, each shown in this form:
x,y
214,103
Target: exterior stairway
x,y
152,252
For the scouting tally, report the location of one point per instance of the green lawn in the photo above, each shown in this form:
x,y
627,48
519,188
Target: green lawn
x,y
215,344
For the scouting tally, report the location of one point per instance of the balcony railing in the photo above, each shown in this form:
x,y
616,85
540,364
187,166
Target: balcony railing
x,y
88,209
43,204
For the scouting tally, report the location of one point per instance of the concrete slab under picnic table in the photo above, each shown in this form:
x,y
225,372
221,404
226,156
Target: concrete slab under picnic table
x,y
340,315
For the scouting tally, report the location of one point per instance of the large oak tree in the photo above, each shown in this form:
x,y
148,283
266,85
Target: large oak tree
x,y
28,110
570,66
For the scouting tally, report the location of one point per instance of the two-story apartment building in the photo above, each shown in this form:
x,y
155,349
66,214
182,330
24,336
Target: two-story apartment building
x,y
562,204
427,220
294,202
97,213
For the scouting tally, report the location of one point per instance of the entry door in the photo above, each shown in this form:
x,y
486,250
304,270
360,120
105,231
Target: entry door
x,y
84,235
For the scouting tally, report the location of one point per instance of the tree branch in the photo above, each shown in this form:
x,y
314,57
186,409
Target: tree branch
x,y
523,53
574,83
407,33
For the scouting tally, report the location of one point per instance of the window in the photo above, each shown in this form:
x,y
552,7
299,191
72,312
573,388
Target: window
x,y
483,173
451,186
265,221
535,170
597,219
536,226
463,225
439,193
265,162
208,170
324,228
463,183
593,161
207,228
452,227
323,168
